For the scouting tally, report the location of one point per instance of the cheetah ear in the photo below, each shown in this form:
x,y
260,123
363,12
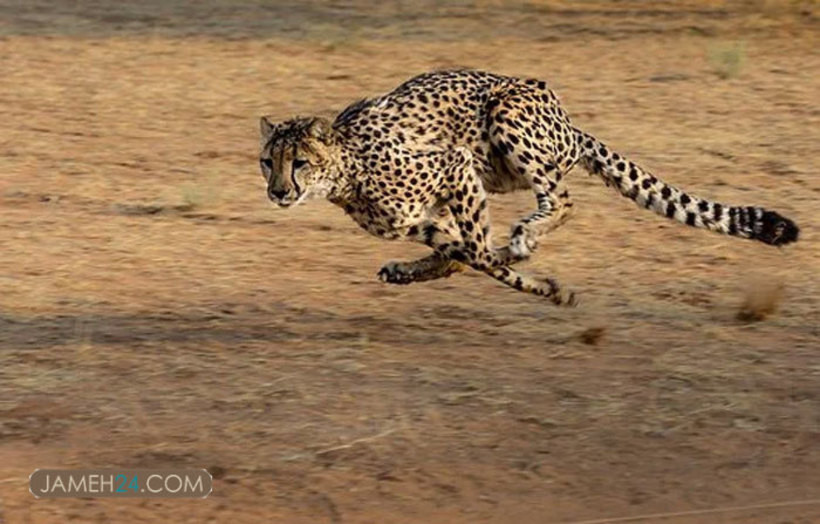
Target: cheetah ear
x,y
319,128
266,127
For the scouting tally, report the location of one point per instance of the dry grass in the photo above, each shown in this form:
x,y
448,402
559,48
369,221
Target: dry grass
x,y
156,311
728,58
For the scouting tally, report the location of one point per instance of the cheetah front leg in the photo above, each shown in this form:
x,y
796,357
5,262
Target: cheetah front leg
x,y
440,230
431,267
432,233
436,265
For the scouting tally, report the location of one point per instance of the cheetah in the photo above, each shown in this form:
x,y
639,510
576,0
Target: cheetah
x,y
418,162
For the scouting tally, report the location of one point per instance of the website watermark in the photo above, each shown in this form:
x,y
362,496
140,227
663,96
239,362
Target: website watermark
x,y
124,483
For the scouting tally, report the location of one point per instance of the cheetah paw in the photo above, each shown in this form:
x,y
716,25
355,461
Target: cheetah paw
x,y
521,246
396,273
560,296
570,300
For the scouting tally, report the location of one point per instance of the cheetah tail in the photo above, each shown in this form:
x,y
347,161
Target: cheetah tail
x,y
649,192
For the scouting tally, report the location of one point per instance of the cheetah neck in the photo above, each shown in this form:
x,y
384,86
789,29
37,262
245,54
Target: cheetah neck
x,y
342,184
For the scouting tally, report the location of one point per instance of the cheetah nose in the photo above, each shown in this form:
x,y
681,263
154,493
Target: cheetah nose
x,y
278,194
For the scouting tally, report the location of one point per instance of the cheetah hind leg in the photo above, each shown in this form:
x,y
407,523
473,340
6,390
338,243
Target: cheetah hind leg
x,y
430,267
544,287
435,266
553,211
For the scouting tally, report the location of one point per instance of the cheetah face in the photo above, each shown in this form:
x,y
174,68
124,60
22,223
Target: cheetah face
x,y
295,160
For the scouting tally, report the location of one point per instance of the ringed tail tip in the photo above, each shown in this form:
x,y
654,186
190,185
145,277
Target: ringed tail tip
x,y
776,230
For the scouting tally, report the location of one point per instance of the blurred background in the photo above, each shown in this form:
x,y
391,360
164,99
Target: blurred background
x,y
157,311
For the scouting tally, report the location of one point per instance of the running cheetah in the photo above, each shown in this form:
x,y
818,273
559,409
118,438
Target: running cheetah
x,y
418,162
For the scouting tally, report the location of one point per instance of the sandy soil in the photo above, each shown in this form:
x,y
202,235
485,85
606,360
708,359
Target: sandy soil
x,y
157,311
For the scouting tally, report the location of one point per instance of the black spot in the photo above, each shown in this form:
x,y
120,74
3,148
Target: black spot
x,y
690,218
718,211
751,216
666,192
670,210
429,233
684,199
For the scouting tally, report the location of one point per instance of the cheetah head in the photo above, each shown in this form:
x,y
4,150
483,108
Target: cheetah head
x,y
296,159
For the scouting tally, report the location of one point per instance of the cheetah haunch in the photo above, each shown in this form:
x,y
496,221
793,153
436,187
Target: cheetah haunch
x,y
418,162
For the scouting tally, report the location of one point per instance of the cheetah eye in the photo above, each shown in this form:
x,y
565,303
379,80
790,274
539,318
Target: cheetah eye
x,y
266,162
299,162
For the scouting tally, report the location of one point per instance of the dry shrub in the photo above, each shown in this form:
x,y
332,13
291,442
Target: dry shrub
x,y
761,299
727,58
592,336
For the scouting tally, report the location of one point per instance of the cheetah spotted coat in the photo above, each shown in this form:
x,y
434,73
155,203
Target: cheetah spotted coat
x,y
418,162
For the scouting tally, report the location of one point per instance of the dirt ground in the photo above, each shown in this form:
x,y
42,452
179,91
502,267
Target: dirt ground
x,y
156,310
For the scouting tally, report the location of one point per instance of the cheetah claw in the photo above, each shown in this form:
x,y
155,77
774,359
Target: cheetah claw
x,y
392,274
